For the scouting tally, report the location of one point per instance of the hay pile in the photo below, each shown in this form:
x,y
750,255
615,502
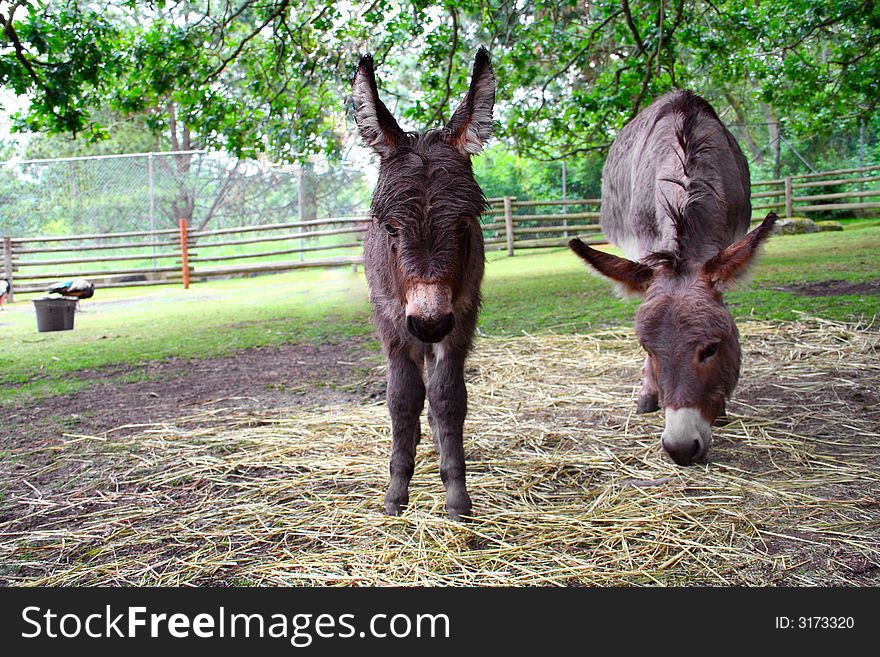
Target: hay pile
x,y
569,484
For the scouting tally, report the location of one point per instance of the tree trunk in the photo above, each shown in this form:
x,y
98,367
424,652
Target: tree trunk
x,y
741,119
183,206
774,130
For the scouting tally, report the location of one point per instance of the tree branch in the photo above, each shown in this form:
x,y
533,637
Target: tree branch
x,y
574,58
20,52
245,40
574,151
632,26
220,196
438,113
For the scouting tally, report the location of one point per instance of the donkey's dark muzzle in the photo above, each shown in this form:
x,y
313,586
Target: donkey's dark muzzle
x,y
684,453
430,330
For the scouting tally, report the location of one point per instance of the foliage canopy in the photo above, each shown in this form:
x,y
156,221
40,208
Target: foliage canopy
x,y
252,76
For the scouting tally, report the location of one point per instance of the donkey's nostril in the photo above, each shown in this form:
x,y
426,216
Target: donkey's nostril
x,y
411,325
445,325
430,330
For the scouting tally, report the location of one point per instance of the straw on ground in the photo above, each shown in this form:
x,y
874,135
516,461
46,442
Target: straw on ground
x,y
570,486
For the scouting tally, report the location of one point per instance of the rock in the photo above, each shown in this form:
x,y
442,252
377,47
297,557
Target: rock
x,y
829,225
795,226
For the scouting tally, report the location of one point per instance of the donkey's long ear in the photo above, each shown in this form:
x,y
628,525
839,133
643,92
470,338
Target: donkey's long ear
x,y
471,124
634,277
377,126
732,262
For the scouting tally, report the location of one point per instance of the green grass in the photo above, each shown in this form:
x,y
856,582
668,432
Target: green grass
x,y
129,326
553,289
531,292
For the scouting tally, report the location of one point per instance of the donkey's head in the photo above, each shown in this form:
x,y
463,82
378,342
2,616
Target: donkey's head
x,y
690,337
426,207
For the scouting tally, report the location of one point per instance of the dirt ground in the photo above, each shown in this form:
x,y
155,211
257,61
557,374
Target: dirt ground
x,y
832,288
267,467
253,379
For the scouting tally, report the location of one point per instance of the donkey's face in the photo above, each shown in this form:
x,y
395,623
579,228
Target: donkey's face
x,y
693,357
427,205
690,337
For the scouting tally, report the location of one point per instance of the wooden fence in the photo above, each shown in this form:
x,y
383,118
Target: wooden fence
x,y
806,194
179,255
513,224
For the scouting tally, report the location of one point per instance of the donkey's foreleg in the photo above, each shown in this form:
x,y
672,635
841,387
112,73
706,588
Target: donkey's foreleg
x,y
430,362
649,395
447,397
406,399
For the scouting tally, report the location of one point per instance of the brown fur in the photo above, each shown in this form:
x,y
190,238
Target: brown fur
x,y
424,261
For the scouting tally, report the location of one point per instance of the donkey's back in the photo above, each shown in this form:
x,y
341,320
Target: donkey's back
x,y
675,180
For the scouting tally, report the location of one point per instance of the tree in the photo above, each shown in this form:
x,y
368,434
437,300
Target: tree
x,y
249,77
121,134
272,76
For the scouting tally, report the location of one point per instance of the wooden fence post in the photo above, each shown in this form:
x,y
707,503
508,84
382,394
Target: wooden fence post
x,y
508,224
7,265
184,253
788,198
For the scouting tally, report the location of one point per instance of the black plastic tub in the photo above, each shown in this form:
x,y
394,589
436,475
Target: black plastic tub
x,y
55,314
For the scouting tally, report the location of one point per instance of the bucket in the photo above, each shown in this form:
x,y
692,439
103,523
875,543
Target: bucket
x,y
55,314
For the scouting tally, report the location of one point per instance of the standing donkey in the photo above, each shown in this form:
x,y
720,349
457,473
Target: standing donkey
x,y
675,198
424,262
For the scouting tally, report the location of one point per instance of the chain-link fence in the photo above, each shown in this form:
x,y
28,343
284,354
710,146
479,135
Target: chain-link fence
x,y
118,219
153,191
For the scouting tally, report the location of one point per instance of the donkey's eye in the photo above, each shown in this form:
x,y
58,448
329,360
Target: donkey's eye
x,y
391,230
707,352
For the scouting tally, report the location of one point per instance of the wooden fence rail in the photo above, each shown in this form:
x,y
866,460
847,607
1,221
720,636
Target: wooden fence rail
x,y
177,255
861,183
182,254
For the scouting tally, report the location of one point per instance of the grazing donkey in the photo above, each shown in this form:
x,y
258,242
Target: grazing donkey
x,y
675,198
424,262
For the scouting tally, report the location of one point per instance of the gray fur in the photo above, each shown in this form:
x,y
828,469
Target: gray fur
x,y
675,181
675,198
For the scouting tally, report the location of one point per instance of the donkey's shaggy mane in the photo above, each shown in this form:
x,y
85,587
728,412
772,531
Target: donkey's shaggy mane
x,y
670,261
693,199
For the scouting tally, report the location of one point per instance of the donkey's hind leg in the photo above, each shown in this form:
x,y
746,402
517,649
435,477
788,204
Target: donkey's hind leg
x,y
406,398
649,395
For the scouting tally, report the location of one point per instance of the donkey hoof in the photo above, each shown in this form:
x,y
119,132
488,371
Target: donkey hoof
x,y
395,502
458,514
647,404
458,505
393,508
